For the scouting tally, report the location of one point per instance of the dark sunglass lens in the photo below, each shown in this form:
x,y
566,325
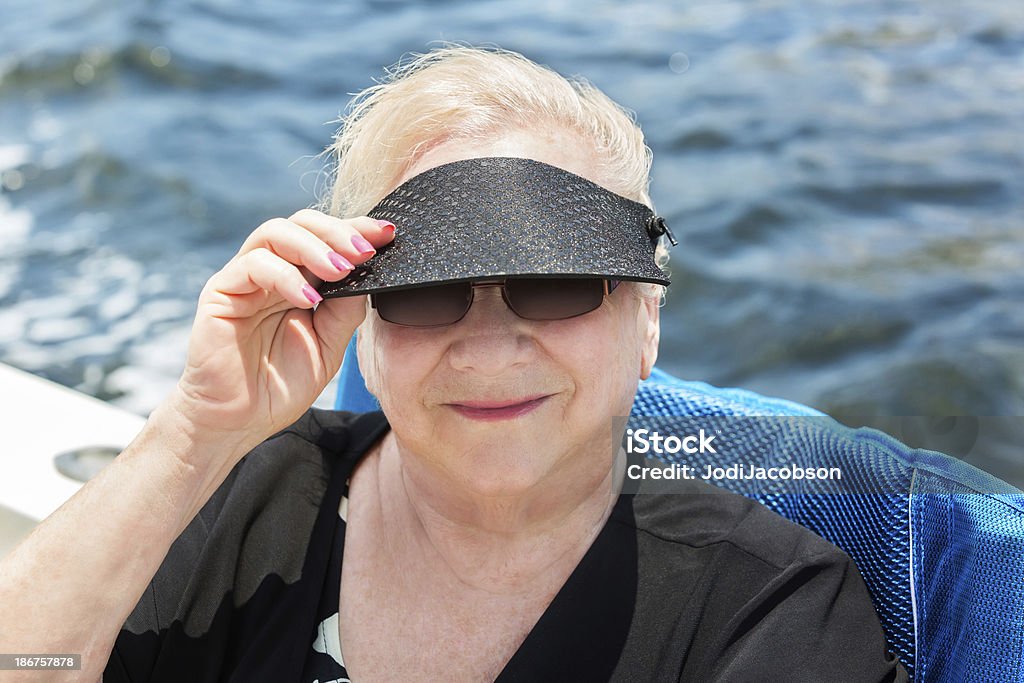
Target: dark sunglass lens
x,y
554,299
425,306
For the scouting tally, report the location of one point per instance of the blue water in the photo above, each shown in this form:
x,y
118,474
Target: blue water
x,y
846,178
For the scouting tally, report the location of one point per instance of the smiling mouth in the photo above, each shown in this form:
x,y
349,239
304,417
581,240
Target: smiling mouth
x,y
497,410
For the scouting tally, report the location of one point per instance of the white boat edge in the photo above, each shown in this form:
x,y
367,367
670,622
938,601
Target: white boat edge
x,y
42,419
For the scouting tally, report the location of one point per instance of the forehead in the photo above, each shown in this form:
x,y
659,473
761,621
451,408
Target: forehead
x,y
553,146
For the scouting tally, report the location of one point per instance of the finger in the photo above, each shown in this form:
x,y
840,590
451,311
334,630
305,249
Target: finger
x,y
263,270
299,246
328,228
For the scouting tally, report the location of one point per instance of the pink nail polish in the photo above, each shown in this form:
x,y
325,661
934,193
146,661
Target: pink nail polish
x,y
311,294
361,245
386,226
339,261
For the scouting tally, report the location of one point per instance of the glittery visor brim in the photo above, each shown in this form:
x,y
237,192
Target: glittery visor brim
x,y
500,217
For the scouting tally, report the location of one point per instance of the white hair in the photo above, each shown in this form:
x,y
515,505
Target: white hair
x,y
462,92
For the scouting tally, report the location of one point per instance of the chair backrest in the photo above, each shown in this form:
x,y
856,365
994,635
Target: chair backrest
x,y
940,544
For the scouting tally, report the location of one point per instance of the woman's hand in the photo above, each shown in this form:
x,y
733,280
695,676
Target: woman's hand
x,y
259,355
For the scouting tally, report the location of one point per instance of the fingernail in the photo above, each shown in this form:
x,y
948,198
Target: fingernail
x,y
386,226
311,294
339,261
361,245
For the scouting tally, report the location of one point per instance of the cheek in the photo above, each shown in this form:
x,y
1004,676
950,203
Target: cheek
x,y
366,345
405,363
604,354
624,361
394,361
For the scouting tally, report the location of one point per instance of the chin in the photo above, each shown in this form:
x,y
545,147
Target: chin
x,y
506,466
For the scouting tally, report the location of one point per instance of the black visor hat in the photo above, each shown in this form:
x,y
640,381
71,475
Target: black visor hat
x,y
506,217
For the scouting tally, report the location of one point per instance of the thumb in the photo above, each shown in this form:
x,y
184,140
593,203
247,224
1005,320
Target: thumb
x,y
335,321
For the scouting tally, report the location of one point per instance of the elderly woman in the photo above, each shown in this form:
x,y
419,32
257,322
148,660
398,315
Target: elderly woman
x,y
506,291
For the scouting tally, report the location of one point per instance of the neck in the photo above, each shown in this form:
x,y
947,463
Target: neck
x,y
494,543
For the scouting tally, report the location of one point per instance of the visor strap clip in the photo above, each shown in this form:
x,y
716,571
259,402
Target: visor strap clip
x,y
656,227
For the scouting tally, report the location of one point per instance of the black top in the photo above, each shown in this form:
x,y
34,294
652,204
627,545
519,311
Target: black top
x,y
707,586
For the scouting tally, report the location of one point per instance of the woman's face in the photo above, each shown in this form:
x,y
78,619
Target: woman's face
x,y
561,381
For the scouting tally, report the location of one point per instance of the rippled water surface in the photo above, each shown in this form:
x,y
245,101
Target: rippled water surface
x,y
846,178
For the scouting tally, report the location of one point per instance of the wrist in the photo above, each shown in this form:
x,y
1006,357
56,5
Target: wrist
x,y
193,455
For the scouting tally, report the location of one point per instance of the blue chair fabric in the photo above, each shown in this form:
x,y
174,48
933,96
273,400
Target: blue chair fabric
x,y
940,544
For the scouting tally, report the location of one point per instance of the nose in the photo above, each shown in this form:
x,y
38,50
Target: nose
x,y
490,339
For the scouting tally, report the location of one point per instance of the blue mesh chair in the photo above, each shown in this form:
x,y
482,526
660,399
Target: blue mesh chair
x,y
939,543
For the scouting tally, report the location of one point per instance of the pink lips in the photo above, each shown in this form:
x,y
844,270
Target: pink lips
x,y
497,410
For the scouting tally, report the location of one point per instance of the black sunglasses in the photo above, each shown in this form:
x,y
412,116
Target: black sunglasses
x,y
529,298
